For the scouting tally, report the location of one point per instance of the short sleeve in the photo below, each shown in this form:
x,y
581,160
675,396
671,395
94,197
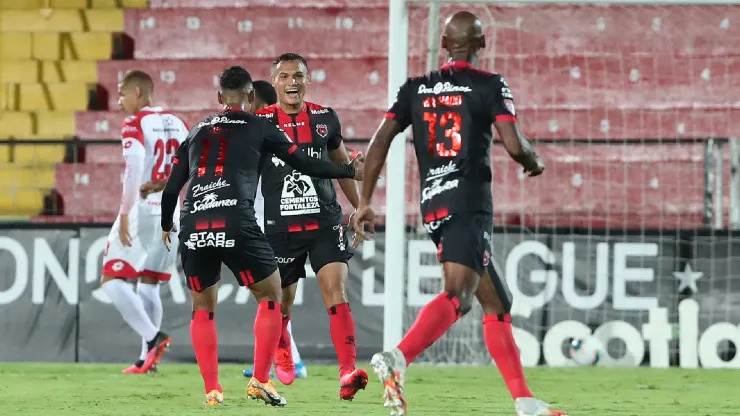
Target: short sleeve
x,y
400,111
276,141
501,101
131,130
336,138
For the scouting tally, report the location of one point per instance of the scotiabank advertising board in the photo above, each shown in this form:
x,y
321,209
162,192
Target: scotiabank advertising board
x,y
658,299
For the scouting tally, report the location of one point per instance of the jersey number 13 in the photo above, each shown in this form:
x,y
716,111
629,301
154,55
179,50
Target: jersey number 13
x,y
444,133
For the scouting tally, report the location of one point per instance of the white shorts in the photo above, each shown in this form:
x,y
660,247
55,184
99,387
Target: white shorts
x,y
147,256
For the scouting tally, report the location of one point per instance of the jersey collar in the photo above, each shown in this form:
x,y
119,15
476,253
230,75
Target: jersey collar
x,y
232,108
457,65
151,108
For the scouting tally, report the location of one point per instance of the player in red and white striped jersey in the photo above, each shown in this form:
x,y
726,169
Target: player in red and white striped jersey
x,y
150,138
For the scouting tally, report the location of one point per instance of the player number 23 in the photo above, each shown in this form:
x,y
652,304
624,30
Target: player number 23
x,y
450,123
164,150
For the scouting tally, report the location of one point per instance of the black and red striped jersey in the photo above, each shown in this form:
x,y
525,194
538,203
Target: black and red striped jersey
x,y
293,201
451,112
222,158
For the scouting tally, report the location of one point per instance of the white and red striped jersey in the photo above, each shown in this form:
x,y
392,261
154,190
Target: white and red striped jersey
x,y
150,139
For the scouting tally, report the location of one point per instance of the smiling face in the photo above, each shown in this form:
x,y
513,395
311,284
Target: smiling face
x,y
290,79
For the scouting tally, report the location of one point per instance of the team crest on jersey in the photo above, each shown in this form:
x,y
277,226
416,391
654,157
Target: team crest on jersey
x,y
322,130
510,106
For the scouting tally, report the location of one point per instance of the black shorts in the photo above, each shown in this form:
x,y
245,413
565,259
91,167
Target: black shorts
x,y
328,244
244,251
463,238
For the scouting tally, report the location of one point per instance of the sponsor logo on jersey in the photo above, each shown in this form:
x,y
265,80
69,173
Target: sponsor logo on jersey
x,y
129,129
291,125
199,190
510,106
322,130
442,88
211,201
208,239
284,260
321,111
437,187
220,120
277,161
128,143
298,196
434,225
441,171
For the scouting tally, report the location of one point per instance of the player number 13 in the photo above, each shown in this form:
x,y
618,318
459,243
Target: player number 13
x,y
450,122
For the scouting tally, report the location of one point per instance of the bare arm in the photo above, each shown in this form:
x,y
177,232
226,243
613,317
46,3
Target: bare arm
x,y
349,186
377,152
518,147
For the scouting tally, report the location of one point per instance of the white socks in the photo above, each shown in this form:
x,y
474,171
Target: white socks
x,y
130,307
149,295
293,347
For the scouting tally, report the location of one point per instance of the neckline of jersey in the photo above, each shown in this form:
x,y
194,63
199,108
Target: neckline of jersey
x,y
457,65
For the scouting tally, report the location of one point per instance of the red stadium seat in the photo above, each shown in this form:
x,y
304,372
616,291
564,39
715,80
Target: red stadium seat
x,y
208,4
229,33
90,190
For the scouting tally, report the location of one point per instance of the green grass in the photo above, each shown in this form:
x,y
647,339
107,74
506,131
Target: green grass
x,y
100,390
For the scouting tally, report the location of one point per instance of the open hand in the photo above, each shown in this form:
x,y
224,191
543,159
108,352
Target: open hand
x,y
362,217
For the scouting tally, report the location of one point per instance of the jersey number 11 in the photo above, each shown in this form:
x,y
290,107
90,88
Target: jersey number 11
x,y
222,145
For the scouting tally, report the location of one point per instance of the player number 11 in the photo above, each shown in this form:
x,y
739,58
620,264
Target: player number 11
x,y
451,122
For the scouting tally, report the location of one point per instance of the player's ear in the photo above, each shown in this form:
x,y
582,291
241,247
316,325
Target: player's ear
x,y
220,98
137,90
482,42
444,42
250,97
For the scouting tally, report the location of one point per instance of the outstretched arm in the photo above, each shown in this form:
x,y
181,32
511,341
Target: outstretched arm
x,y
377,152
278,143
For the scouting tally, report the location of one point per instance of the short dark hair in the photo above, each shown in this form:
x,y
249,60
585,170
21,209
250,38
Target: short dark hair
x,y
235,78
265,92
290,56
141,78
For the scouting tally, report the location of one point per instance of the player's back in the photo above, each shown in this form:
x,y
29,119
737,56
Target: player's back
x,y
451,112
225,155
161,133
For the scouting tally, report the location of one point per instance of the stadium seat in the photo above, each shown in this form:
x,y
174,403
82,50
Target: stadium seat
x,y
51,96
90,189
21,4
209,4
69,71
15,176
62,20
72,46
25,71
38,155
55,124
15,46
15,124
15,202
117,4
210,33
342,83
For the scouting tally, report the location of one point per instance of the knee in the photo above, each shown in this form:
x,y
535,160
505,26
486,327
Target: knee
x,y
465,301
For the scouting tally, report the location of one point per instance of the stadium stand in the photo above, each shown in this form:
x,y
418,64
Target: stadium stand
x,y
662,84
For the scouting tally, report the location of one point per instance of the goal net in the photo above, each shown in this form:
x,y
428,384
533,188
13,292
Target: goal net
x,y
630,105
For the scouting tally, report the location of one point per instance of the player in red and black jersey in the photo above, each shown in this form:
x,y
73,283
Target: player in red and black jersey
x,y
220,160
451,112
304,220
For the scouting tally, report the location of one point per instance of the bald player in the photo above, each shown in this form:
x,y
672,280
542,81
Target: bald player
x,y
150,137
451,112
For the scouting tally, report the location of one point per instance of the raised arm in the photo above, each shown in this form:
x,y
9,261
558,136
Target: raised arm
x,y
178,177
279,144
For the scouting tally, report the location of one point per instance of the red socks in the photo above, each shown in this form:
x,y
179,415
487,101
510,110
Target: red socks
x,y
205,343
284,334
433,321
267,329
503,349
342,328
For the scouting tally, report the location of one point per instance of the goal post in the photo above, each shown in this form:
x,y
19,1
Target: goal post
x,y
609,201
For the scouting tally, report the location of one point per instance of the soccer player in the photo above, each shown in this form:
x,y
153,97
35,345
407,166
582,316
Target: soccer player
x,y
150,138
265,95
220,161
303,219
451,111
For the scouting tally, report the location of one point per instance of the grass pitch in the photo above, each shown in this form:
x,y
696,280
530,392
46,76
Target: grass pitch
x,y
100,390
